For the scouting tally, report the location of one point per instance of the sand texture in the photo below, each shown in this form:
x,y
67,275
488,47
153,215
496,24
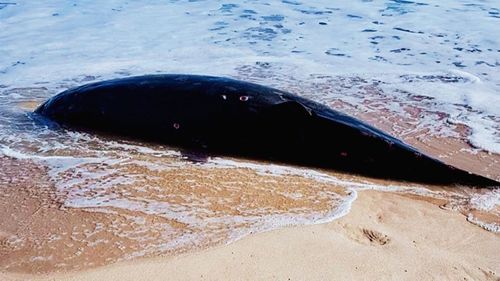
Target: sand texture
x,y
385,237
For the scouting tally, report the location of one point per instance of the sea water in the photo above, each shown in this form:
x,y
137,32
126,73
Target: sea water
x,y
421,70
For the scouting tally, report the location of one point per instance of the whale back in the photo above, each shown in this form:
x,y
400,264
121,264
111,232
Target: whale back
x,y
221,115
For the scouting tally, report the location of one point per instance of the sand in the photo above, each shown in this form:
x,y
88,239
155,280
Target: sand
x,y
386,236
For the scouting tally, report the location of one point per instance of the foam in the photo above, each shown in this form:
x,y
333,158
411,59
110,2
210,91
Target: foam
x,y
363,53
493,227
487,201
119,38
280,170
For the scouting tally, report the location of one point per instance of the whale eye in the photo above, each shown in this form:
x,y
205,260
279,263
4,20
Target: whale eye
x,y
243,98
176,126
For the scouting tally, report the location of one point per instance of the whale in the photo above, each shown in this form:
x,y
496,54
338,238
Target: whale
x,y
224,116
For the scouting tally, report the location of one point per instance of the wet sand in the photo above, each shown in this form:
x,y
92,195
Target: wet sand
x,y
41,233
386,236
75,206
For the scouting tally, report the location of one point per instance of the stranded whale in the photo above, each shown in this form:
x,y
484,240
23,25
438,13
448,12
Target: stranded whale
x,y
221,115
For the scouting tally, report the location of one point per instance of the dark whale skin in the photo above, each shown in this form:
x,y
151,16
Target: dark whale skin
x,y
227,116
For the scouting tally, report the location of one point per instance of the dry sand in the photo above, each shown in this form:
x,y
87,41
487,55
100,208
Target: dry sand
x,y
386,236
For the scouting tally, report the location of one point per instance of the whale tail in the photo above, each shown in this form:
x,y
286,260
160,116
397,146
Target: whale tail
x,y
345,144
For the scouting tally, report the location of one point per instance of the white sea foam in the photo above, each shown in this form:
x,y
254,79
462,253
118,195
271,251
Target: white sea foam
x,y
320,49
277,170
326,51
493,227
487,201
374,39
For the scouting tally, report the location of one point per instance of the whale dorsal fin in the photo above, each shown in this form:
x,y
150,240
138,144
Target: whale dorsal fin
x,y
292,109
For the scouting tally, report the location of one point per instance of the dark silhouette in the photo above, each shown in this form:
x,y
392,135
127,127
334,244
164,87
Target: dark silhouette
x,y
226,116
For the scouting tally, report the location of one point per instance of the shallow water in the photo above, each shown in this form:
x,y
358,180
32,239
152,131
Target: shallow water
x,y
424,72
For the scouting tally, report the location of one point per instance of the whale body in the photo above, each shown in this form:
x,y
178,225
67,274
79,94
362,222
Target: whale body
x,y
226,116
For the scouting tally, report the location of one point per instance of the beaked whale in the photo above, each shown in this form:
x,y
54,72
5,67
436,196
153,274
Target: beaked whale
x,y
227,116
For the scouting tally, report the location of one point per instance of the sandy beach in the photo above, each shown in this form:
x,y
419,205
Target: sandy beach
x,y
385,237
80,205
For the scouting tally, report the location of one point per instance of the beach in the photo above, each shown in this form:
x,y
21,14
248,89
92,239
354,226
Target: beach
x,y
385,237
82,205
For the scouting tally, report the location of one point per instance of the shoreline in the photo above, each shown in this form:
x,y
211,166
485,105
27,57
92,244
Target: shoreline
x,y
369,234
385,236
85,205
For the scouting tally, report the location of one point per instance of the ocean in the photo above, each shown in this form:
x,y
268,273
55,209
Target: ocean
x,y
426,72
